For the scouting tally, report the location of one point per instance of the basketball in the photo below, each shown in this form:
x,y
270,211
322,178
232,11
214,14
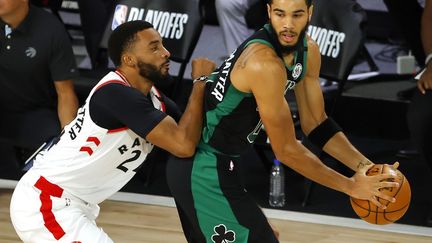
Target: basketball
x,y
394,211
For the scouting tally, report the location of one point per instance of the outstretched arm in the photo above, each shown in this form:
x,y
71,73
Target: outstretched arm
x,y
181,139
311,108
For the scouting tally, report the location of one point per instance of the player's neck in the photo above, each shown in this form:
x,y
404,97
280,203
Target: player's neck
x,y
142,85
289,59
136,80
17,16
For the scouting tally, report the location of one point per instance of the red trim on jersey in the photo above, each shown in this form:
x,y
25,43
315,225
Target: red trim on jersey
x,y
118,129
123,80
47,190
158,94
86,149
94,140
119,73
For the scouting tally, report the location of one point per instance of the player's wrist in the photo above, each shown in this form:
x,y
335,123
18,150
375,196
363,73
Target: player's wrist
x,y
428,60
202,78
348,186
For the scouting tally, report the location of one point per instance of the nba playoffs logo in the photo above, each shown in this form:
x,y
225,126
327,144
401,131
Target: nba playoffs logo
x,y
297,70
119,16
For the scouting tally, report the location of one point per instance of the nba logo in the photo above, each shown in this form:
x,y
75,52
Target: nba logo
x,y
119,16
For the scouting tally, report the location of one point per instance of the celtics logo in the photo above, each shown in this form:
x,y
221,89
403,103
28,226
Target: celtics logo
x,y
297,71
222,235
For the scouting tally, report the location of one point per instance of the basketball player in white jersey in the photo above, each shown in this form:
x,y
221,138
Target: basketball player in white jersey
x,y
102,148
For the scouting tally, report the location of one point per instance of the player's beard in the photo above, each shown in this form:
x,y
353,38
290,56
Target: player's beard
x,y
151,72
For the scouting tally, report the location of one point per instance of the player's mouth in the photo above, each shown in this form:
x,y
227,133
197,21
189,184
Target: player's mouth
x,y
166,65
288,37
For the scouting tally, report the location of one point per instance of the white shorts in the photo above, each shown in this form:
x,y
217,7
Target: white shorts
x,y
42,212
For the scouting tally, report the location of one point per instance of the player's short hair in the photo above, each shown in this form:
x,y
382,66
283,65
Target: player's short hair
x,y
123,37
308,2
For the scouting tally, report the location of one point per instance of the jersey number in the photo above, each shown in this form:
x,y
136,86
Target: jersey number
x,y
136,155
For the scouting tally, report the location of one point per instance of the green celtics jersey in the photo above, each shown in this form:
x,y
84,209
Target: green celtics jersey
x,y
232,120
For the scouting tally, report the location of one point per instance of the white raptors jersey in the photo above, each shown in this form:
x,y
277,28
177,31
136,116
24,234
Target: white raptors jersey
x,y
91,162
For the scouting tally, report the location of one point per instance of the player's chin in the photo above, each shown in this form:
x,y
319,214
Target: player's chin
x,y
164,71
164,74
290,43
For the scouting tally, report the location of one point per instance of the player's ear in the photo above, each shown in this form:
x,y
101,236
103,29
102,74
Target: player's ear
x,y
128,60
310,12
268,10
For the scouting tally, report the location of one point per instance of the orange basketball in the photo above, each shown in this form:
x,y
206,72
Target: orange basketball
x,y
394,211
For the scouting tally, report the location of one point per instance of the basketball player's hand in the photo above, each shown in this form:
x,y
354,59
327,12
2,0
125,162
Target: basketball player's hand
x,y
425,81
367,187
395,165
202,67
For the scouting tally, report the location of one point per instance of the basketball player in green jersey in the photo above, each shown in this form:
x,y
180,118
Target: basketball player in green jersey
x,y
245,93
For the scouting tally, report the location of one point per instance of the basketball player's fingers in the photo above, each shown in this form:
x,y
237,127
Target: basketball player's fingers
x,y
202,66
386,197
364,169
425,83
428,84
395,165
386,167
389,177
389,169
420,87
388,184
375,201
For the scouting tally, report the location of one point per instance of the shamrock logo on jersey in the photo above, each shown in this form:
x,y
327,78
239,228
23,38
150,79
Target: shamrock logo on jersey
x,y
222,235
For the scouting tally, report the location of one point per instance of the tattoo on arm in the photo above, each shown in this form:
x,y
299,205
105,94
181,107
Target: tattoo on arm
x,y
363,164
244,58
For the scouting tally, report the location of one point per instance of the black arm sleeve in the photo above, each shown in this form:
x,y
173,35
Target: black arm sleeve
x,y
171,108
114,106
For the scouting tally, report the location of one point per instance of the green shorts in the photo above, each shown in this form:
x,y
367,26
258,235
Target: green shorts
x,y
212,203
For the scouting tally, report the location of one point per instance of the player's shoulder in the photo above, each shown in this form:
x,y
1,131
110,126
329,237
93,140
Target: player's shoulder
x,y
118,96
116,89
261,57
